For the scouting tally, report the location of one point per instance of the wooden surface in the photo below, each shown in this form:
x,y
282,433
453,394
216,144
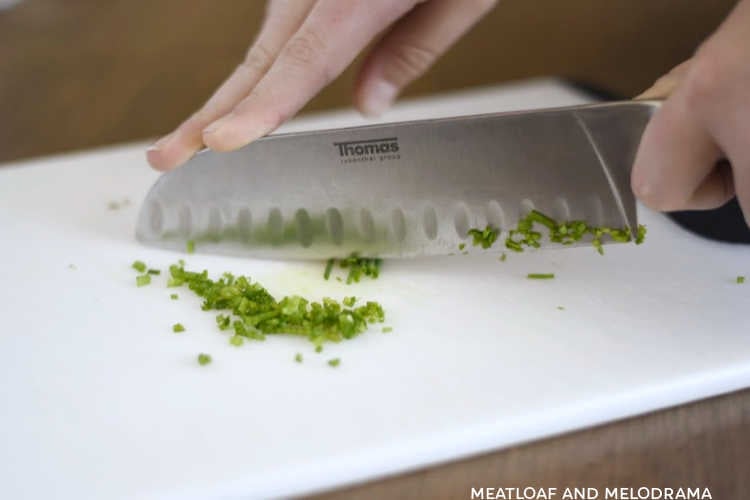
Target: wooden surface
x,y
706,444
83,73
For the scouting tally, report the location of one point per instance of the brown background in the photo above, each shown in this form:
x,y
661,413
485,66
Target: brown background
x,y
82,73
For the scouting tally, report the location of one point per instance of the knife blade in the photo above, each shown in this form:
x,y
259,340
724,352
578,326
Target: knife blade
x,y
402,189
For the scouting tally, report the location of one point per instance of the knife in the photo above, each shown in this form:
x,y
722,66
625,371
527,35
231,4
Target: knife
x,y
403,189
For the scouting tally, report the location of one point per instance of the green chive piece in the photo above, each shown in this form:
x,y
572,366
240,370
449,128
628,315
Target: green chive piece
x,y
740,280
190,246
329,268
204,359
484,238
387,329
143,280
334,362
357,267
349,301
178,328
641,234
174,296
461,246
540,276
318,348
154,272
503,257
298,357
139,266
223,321
236,340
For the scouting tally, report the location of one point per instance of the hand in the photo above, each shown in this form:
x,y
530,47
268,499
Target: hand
x,y
695,152
301,47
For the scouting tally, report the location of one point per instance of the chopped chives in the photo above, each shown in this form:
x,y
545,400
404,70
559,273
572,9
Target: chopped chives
x,y
334,362
483,237
540,276
178,328
143,280
204,359
461,246
298,357
640,234
318,348
503,257
139,266
329,268
525,235
357,266
252,312
190,246
387,329
155,272
740,280
174,296
236,340
223,321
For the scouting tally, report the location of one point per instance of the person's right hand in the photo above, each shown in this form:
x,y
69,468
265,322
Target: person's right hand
x,y
695,152
302,46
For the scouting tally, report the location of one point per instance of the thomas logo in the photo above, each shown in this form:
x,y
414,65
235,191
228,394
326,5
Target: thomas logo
x,y
368,150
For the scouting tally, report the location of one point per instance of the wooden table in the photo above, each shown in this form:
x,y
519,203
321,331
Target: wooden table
x,y
81,73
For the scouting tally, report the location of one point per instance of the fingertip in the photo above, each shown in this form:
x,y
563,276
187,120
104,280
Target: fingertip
x,y
644,191
156,160
155,153
375,97
169,152
228,134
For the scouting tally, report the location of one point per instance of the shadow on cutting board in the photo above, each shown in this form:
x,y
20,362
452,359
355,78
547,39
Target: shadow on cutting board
x,y
725,223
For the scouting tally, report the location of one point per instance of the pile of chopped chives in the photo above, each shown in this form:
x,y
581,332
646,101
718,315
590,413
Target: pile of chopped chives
x,y
526,235
252,312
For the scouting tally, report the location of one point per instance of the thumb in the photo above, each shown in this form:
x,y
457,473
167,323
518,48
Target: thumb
x,y
665,85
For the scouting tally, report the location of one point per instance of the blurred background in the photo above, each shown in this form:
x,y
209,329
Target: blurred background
x,y
83,73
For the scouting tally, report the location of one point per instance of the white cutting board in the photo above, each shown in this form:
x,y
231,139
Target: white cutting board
x,y
101,400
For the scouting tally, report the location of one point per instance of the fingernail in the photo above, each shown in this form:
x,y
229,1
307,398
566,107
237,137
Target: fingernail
x,y
380,97
160,143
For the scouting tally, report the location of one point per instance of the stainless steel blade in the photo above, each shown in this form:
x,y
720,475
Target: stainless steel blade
x,y
403,189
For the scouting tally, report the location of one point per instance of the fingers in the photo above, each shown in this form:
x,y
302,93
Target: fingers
x,y
282,20
676,156
664,86
706,119
333,33
411,47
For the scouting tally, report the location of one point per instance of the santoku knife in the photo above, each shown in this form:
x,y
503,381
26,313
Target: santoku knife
x,y
402,189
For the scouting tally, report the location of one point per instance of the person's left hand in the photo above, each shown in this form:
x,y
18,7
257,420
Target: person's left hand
x,y
301,47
